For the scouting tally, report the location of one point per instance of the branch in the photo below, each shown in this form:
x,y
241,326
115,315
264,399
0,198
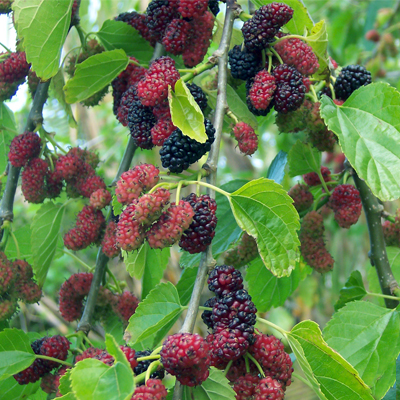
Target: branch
x,y
378,255
35,119
207,261
102,260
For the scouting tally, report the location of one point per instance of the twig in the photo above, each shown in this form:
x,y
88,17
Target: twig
x,y
207,259
377,255
35,118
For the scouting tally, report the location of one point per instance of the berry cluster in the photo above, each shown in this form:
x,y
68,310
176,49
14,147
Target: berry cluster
x,y
13,71
312,245
391,231
92,48
244,251
182,26
153,389
345,201
302,197
186,356
312,178
74,290
201,231
246,138
350,79
55,347
16,283
23,148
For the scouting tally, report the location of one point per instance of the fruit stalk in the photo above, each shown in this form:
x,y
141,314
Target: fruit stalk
x,y
207,259
377,254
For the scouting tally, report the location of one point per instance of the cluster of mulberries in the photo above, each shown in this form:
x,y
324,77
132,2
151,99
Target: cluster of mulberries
x,y
92,48
244,251
13,71
74,290
312,178
55,347
246,138
16,283
312,245
184,27
302,197
350,79
345,201
391,231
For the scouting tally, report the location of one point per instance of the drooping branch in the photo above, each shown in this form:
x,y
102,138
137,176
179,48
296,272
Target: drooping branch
x,y
378,256
35,119
207,261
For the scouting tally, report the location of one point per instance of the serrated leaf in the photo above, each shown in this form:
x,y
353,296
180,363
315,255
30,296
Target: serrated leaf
x,y
156,262
353,290
239,108
57,84
336,378
215,387
43,26
116,206
265,211
45,230
16,353
300,21
8,129
10,389
269,291
318,40
368,337
135,261
185,285
368,129
120,35
113,349
303,158
93,380
160,307
186,113
276,170
227,230
94,74
65,382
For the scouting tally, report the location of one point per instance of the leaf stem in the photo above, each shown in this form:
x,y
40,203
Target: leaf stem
x,y
16,243
78,260
272,325
198,70
208,185
300,378
226,370
384,296
155,357
117,286
277,55
205,308
54,360
150,369
156,351
178,192
82,36
5,47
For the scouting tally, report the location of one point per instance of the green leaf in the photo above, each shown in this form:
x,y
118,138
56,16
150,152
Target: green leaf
x,y
119,35
116,206
318,40
23,237
215,387
68,396
239,108
336,378
113,326
113,349
353,290
185,284
237,37
10,389
156,262
186,113
269,291
276,170
368,337
301,19
8,129
303,158
368,128
65,382
160,307
45,230
43,26
94,74
16,353
227,230
135,261
57,87
93,380
264,210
